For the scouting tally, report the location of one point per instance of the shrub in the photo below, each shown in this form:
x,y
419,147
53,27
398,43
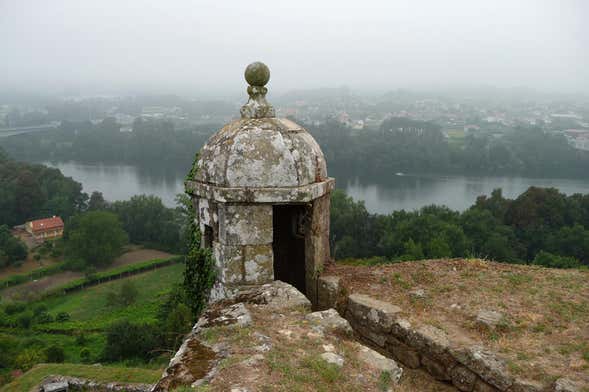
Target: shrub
x,y
85,355
39,309
555,261
7,347
126,295
28,358
62,317
125,340
15,307
25,320
81,339
55,354
43,318
177,324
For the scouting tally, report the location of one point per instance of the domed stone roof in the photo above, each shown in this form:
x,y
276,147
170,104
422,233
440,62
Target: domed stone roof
x,y
261,153
260,158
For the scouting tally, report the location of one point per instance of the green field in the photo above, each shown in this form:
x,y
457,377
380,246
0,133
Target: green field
x,y
90,314
89,309
97,373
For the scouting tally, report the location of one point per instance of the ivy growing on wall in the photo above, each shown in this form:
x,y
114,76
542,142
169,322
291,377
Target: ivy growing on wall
x,y
200,274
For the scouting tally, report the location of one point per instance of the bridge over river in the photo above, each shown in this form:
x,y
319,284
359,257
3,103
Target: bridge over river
x,y
4,132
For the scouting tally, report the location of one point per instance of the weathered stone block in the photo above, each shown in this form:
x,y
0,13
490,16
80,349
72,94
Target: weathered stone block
x,y
526,386
462,378
276,296
258,264
403,353
487,365
401,329
565,385
435,368
205,215
242,224
380,362
429,339
229,261
330,320
377,315
481,386
369,333
328,289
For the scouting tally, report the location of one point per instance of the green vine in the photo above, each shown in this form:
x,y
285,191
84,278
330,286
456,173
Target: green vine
x,y
193,169
199,274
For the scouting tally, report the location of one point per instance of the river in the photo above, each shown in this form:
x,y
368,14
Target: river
x,y
381,195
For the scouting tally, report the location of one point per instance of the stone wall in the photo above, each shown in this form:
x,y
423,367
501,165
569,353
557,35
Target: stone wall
x,y
427,347
74,384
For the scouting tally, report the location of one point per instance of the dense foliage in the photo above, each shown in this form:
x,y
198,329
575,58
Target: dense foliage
x,y
151,144
398,145
541,226
149,222
12,249
29,191
94,238
404,145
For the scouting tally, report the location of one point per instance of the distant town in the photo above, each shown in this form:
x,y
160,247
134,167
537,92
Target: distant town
x,y
458,115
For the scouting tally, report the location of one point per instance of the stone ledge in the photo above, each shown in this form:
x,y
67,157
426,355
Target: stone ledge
x,y
302,194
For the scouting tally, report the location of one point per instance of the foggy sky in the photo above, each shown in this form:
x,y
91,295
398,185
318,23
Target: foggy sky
x,y
202,47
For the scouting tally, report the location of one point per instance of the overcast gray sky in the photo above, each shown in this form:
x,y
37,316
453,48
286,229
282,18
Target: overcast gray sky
x,y
188,47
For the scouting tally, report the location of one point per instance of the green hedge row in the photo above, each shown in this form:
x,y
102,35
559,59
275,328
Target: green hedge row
x,y
115,273
14,280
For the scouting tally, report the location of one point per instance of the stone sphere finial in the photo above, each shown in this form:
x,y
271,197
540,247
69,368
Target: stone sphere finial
x,y
257,74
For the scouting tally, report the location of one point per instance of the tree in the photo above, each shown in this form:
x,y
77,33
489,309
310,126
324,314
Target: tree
x,y
30,191
55,354
570,241
12,249
148,221
95,238
97,202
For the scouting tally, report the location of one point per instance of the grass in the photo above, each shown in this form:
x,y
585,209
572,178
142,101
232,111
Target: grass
x,y
544,309
91,314
97,373
89,309
113,272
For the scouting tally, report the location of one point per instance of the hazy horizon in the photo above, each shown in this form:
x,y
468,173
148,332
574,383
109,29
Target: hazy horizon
x,y
202,47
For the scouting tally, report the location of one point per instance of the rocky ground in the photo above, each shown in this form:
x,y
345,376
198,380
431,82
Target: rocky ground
x,y
267,339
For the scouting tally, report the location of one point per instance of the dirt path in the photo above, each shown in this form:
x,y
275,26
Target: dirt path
x,y
28,266
28,291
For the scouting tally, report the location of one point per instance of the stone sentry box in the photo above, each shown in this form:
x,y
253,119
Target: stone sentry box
x,y
261,192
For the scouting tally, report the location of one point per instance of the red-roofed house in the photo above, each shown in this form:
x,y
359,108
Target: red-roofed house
x,y
43,229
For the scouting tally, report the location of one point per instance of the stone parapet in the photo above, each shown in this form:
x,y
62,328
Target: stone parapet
x,y
471,368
